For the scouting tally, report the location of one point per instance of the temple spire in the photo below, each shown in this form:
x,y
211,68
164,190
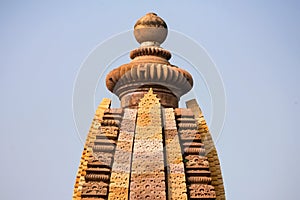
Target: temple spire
x,y
149,148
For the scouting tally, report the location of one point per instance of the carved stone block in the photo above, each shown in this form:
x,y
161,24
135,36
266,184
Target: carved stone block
x,y
196,161
202,191
94,189
103,161
110,122
186,120
199,179
147,184
184,112
174,194
103,157
97,177
118,111
191,150
103,148
151,175
110,132
187,126
155,194
193,144
189,135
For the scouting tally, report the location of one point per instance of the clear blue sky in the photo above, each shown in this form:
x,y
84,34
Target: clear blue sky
x,y
255,45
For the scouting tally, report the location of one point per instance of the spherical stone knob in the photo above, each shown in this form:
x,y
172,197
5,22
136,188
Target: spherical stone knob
x,y
150,30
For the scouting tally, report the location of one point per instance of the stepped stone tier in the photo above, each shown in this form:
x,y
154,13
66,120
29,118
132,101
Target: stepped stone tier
x,y
149,148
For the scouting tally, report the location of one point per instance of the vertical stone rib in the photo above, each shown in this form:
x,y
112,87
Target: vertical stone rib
x,y
147,175
87,151
120,176
98,173
176,175
195,163
211,152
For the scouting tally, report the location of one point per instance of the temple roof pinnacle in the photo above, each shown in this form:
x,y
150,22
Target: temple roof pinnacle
x,y
149,67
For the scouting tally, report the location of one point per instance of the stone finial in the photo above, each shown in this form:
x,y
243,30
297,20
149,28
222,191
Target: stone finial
x,y
150,30
149,68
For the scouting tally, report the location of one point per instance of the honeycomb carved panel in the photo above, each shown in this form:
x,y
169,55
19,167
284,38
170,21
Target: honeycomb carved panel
x,y
196,161
94,189
202,191
148,146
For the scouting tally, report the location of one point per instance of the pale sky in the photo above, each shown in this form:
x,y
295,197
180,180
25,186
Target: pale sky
x,y
254,44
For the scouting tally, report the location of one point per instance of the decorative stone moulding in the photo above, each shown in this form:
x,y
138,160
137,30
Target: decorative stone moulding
x,y
149,68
